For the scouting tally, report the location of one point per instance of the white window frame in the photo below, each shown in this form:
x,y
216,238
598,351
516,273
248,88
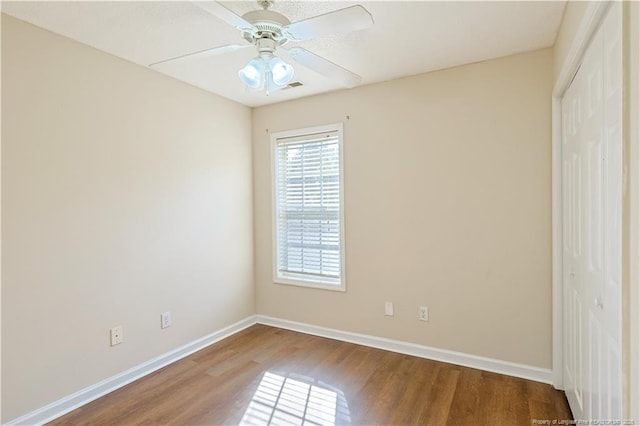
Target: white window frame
x,y
307,281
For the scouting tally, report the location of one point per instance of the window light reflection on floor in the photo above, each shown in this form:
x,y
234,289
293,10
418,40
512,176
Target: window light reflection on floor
x,y
301,400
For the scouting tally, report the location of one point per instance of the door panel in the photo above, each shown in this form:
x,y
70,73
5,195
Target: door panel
x,y
610,291
592,213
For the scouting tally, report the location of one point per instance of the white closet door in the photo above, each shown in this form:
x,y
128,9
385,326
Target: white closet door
x,y
592,213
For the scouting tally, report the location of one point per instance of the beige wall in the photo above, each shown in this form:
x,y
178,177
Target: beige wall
x,y
125,194
447,198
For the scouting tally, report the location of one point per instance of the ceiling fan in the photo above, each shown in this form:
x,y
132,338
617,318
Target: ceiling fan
x,y
268,31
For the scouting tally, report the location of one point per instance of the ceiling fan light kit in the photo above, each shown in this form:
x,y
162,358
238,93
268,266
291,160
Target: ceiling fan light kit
x,y
263,71
267,70
268,31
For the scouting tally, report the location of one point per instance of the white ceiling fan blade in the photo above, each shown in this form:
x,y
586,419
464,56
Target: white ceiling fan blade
x,y
345,20
324,67
206,52
220,11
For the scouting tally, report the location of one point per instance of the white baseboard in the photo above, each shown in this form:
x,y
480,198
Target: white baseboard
x,y
537,374
84,396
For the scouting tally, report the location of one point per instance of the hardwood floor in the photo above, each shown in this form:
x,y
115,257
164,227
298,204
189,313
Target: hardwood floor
x,y
265,374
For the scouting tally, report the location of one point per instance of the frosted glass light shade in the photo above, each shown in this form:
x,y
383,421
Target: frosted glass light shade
x,y
281,71
252,74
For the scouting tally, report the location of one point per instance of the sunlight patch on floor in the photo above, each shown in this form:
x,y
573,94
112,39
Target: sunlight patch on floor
x,y
300,401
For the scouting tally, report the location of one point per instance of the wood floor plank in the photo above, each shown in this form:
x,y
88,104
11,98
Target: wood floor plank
x,y
417,383
273,376
369,404
466,399
441,396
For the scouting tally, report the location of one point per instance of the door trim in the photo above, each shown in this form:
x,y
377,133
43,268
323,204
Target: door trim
x,y
588,25
634,192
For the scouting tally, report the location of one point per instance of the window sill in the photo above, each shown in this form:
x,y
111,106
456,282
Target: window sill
x,y
311,284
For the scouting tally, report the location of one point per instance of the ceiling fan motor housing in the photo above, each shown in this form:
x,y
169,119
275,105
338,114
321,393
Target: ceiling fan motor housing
x,y
266,24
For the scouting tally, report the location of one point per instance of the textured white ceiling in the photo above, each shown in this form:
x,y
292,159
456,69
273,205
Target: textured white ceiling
x,y
407,38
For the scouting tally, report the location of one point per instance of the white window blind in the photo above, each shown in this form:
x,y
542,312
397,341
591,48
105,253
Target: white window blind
x,y
308,208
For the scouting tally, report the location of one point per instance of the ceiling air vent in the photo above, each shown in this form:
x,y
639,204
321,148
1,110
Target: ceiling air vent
x,y
292,85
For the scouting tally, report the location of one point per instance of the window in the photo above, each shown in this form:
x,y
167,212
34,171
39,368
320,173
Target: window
x,y
308,207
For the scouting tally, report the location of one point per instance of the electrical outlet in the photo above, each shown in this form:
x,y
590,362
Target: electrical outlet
x,y
165,320
423,315
388,308
116,335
